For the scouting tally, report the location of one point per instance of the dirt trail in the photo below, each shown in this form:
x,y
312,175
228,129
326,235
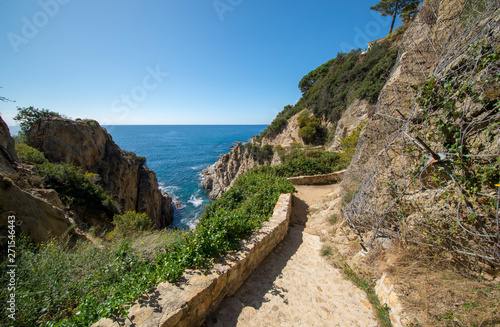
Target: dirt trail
x,y
295,286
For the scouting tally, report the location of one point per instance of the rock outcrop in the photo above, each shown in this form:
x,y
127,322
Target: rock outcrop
x,y
219,177
37,213
122,174
8,155
358,112
34,216
287,136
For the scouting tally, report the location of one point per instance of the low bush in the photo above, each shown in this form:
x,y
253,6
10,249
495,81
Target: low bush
x,y
302,162
130,223
262,154
29,155
75,187
348,145
311,130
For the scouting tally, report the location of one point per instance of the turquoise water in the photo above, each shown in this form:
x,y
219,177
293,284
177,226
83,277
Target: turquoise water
x,y
178,153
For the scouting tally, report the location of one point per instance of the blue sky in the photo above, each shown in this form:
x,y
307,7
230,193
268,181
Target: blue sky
x,y
172,61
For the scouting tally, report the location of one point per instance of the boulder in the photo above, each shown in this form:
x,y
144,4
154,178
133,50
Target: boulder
x,y
84,143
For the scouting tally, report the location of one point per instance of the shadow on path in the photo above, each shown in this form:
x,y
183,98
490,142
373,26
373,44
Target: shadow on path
x,y
262,281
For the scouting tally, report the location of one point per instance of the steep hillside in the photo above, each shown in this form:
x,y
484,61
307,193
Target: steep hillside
x,y
331,88
428,160
33,212
123,175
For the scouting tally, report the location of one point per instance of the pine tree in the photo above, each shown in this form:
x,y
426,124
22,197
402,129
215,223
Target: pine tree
x,y
396,7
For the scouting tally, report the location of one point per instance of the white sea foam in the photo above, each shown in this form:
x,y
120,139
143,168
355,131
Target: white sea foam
x,y
171,190
196,201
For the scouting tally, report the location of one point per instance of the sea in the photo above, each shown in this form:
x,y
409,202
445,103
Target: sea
x,y
178,153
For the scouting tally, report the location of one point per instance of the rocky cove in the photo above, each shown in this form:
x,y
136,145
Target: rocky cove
x,y
84,144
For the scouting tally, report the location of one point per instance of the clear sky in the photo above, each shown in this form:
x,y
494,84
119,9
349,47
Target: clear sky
x,y
172,61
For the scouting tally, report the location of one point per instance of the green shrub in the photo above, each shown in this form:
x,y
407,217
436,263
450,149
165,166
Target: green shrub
x,y
75,187
262,154
300,163
348,145
129,223
326,250
280,150
310,128
29,155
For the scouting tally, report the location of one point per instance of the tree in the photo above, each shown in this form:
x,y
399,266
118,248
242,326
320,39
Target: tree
x,y
28,116
396,7
4,99
310,127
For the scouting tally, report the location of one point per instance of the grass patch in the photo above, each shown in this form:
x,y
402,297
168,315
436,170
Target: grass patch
x,y
438,292
363,281
326,251
62,286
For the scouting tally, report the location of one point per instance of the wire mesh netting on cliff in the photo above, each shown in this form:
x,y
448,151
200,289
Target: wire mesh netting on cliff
x,y
427,167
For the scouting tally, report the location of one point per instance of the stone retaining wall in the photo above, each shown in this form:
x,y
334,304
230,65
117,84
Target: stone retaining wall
x,y
189,302
331,178
386,293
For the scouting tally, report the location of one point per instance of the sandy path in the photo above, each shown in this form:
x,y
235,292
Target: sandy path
x,y
295,286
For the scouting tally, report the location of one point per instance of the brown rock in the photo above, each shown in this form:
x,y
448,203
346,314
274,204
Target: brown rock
x,y
35,216
8,154
86,144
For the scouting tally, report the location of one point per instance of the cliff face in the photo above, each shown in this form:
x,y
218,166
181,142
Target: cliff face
x,y
33,214
420,169
219,177
358,112
86,144
8,155
289,134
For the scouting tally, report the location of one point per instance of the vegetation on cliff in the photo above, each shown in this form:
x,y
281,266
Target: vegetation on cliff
x,y
27,116
74,187
329,89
